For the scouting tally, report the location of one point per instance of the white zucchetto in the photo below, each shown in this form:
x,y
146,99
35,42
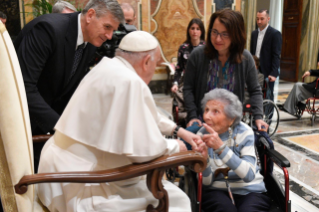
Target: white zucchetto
x,y
138,41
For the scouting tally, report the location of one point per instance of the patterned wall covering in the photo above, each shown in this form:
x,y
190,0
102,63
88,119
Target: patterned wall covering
x,y
171,21
11,9
221,4
135,5
154,4
200,5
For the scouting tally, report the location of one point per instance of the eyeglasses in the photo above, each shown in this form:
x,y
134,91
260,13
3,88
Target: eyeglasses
x,y
223,35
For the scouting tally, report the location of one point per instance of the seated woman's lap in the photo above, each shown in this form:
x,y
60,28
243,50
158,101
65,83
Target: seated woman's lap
x,y
219,201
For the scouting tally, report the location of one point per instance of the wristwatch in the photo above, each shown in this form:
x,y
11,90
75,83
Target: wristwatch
x,y
175,131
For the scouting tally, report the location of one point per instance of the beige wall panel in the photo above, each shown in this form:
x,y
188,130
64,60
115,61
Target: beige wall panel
x,y
172,19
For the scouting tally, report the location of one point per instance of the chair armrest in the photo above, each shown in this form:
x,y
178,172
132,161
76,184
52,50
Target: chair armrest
x,y
195,160
40,138
278,158
154,169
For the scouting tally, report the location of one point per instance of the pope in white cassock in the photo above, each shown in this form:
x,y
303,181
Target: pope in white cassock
x,y
112,121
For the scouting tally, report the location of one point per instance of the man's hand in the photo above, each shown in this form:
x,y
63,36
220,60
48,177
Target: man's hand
x,y
212,139
189,137
174,88
271,78
182,146
307,73
259,123
190,123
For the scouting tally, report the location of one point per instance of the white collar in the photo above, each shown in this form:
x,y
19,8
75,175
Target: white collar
x,y
264,30
80,34
126,63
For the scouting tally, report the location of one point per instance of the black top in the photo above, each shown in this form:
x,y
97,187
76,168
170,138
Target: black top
x,y
45,48
184,52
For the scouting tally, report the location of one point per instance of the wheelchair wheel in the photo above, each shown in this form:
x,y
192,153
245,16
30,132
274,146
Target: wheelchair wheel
x,y
271,117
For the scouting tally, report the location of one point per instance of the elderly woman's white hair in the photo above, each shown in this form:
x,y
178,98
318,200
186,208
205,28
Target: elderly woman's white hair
x,y
233,108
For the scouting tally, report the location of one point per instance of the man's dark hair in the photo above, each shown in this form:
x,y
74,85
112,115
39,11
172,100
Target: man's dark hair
x,y
201,27
102,7
3,16
234,23
263,10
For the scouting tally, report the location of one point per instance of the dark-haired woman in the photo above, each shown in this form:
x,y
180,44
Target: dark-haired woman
x,y
195,37
222,63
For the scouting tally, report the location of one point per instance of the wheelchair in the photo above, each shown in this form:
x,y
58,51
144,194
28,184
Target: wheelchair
x,y
191,182
270,113
309,105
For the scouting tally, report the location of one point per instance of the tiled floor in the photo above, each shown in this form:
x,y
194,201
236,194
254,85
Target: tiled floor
x,y
298,141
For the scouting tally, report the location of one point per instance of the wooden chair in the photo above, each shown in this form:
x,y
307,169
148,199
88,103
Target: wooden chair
x,y
16,153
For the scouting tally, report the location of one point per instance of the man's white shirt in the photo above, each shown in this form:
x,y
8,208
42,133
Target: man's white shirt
x,y
261,35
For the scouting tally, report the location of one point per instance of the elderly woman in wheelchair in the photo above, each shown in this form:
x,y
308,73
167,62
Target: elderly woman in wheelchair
x,y
232,181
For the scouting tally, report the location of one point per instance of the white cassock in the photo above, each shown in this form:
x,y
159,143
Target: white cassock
x,y
110,121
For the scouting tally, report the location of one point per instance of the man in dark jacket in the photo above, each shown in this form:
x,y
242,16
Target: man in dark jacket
x,y
266,44
54,51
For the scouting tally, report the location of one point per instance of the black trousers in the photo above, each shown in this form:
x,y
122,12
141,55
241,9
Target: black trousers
x,y
219,201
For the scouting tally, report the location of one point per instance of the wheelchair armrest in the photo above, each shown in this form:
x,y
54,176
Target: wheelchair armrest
x,y
278,158
153,169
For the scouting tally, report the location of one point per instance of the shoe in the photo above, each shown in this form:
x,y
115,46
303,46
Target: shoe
x,y
301,105
281,107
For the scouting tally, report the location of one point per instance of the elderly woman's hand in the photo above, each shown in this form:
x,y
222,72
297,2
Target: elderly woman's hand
x,y
202,148
189,137
212,139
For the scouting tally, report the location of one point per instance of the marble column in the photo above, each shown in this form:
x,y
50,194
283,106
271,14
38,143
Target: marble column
x,y
309,41
276,13
248,10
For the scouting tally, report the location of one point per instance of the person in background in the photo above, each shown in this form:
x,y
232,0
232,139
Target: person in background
x,y
63,7
195,34
3,18
129,13
54,52
299,92
222,62
266,44
231,147
112,121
